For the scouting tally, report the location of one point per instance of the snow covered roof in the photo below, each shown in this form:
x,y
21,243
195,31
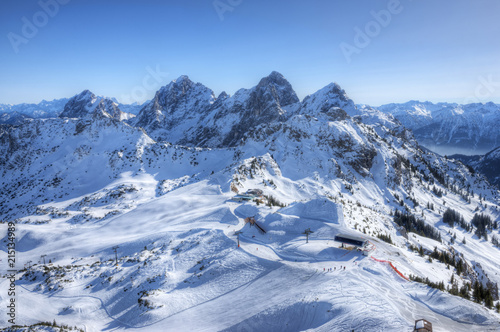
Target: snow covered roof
x,y
423,325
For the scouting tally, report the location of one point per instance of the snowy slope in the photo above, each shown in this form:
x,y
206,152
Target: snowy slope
x,y
488,164
79,186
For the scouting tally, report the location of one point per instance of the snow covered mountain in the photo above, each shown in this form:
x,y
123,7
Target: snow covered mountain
x,y
449,128
14,118
16,114
187,113
86,104
488,164
136,218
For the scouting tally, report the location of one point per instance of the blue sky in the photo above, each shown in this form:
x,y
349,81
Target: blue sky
x,y
423,50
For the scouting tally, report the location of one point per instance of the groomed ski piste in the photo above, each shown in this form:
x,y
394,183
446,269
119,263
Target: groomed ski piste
x,y
272,282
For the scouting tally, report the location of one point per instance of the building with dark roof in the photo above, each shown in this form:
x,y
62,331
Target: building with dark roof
x,y
351,239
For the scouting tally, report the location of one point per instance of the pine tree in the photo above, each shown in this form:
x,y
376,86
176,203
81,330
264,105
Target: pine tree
x,y
464,292
488,299
476,292
459,267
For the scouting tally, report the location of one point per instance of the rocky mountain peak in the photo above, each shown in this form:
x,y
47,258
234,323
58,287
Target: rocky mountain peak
x,y
335,92
269,96
87,105
278,89
182,79
222,95
180,90
109,109
85,94
79,105
273,78
330,97
187,113
178,101
182,83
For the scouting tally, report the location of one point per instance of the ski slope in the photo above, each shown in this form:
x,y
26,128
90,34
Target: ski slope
x,y
272,282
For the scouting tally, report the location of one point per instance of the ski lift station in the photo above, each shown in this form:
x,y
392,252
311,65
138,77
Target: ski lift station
x,y
248,196
362,244
242,198
351,239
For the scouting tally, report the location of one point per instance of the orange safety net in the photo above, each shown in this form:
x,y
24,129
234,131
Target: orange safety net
x,y
394,268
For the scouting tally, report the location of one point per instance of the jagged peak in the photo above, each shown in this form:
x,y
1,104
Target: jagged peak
x,y
182,79
274,78
332,89
85,94
79,105
330,96
85,103
183,83
105,102
107,108
276,75
109,101
335,88
223,95
279,87
178,95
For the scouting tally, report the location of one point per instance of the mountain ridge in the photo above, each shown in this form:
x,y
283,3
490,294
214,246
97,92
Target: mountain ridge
x,y
450,128
487,164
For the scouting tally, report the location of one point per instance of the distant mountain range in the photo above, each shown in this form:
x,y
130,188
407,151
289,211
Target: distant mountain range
x,y
449,128
16,114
